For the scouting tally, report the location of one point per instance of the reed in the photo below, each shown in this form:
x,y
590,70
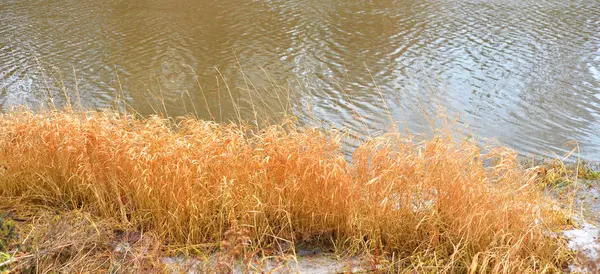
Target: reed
x,y
439,204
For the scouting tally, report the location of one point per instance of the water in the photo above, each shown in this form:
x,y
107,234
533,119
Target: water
x,y
524,72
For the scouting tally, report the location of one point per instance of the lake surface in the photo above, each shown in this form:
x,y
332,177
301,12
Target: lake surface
x,y
525,72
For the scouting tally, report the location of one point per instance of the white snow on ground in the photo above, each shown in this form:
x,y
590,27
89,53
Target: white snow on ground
x,y
314,264
584,241
322,264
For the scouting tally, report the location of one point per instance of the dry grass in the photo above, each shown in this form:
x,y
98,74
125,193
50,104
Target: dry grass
x,y
437,205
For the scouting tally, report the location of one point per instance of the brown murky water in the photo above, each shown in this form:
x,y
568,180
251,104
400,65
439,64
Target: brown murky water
x,y
526,72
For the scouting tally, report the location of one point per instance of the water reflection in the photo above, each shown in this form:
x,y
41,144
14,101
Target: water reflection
x,y
525,72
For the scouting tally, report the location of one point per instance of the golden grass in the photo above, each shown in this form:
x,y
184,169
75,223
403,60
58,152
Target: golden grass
x,y
436,205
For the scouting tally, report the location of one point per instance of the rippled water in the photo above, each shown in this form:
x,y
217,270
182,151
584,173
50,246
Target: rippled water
x,y
526,72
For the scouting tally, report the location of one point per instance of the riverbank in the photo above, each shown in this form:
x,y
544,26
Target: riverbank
x,y
100,191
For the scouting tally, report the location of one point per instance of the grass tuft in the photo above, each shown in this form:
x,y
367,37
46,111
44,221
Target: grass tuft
x,y
197,187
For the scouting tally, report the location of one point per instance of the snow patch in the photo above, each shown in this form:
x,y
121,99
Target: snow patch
x,y
315,264
584,241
